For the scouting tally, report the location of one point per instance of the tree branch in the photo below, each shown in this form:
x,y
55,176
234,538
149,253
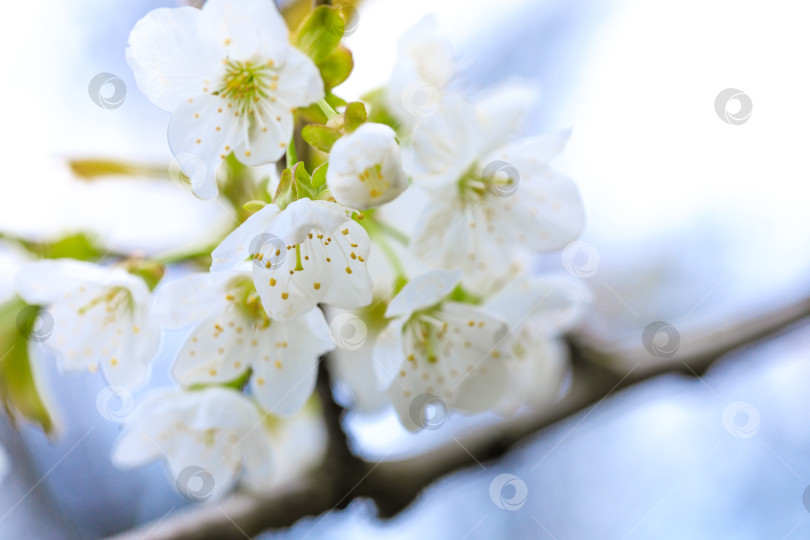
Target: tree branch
x,y
599,371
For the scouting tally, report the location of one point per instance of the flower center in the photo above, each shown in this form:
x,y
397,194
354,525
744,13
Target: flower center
x,y
246,83
242,292
374,180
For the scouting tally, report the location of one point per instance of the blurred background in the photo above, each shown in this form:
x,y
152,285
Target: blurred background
x,y
691,220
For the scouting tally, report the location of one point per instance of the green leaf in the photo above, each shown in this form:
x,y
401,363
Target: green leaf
x,y
321,32
354,116
336,67
321,137
319,176
18,387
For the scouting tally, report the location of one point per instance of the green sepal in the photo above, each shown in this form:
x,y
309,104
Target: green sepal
x,y
354,116
286,191
251,207
320,137
319,177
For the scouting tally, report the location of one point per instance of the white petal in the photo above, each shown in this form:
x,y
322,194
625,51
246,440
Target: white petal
x,y
236,246
244,29
47,281
192,298
500,111
334,250
388,353
531,154
299,80
467,372
170,61
217,351
203,130
268,134
553,303
535,374
441,148
285,375
371,151
423,291
424,66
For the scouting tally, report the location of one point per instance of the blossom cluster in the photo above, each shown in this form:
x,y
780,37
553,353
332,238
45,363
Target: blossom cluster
x,y
449,313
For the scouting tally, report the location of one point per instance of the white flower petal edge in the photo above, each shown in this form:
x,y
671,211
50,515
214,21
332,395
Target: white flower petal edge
x,y
102,317
216,429
231,78
449,351
423,291
500,112
365,168
310,253
232,333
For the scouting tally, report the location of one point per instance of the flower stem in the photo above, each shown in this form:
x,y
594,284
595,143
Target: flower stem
x,y
327,109
292,155
400,280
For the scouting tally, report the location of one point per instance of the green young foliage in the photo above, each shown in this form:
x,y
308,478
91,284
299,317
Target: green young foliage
x,y
320,137
18,388
354,116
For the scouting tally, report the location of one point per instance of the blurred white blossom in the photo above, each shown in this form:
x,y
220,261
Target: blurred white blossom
x,y
101,317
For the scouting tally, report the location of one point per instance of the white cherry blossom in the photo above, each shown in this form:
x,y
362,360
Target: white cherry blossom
x,y
440,348
365,168
490,202
231,333
207,438
101,317
537,310
310,253
424,66
231,79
